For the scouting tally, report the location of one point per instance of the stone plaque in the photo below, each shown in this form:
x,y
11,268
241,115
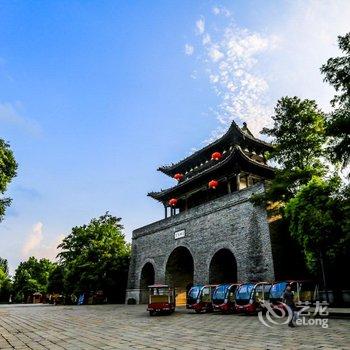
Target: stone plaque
x,y
179,234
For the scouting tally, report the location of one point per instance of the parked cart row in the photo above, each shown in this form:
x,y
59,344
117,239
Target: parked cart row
x,y
248,298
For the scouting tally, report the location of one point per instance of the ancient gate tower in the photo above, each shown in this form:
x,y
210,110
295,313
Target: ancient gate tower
x,y
211,232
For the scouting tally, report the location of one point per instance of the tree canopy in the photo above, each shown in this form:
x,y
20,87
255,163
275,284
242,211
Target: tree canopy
x,y
298,133
337,73
310,202
4,265
31,276
314,204
55,283
8,170
96,257
298,136
5,281
315,215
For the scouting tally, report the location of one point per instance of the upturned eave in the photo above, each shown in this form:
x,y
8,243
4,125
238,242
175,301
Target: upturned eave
x,y
236,158
234,134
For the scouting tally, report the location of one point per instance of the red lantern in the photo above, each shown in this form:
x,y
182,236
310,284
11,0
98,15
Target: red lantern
x,y
178,176
173,202
213,184
216,156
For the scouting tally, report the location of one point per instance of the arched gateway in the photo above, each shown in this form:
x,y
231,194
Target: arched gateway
x,y
209,206
223,267
147,278
179,272
179,268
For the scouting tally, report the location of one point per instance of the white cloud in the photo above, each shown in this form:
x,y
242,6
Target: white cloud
x,y
216,10
194,74
11,114
34,239
189,49
215,54
308,37
230,61
250,70
36,245
220,10
214,78
200,26
206,39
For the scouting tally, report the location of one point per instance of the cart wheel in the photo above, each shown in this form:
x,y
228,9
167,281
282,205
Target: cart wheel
x,y
152,313
278,312
198,311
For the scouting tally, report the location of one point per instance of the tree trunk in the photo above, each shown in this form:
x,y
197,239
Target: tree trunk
x,y
324,276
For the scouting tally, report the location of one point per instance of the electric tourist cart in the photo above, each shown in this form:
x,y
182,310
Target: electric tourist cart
x,y
161,299
251,296
199,298
224,297
304,292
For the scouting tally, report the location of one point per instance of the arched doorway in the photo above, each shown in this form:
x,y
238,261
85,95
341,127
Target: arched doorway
x,y
223,267
179,272
147,278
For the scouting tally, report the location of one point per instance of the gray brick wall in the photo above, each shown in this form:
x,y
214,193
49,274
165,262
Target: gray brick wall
x,y
229,222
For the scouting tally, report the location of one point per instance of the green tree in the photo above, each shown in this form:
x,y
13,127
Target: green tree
x,y
346,212
96,257
315,218
4,265
337,73
298,136
5,281
56,280
31,276
8,170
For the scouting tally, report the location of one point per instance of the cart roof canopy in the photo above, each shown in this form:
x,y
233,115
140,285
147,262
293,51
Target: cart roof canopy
x,y
158,286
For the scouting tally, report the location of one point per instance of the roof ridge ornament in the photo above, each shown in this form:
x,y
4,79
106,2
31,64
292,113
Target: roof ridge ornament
x,y
245,129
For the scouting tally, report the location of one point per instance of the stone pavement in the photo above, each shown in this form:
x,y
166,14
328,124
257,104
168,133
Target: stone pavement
x,y
130,327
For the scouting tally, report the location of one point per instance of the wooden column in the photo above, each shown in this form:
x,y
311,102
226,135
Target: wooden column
x,y
238,181
165,211
228,186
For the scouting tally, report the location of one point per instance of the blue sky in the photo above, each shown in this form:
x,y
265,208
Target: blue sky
x,y
95,95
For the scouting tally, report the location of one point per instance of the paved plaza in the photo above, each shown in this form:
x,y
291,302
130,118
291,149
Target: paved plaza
x,y
130,327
